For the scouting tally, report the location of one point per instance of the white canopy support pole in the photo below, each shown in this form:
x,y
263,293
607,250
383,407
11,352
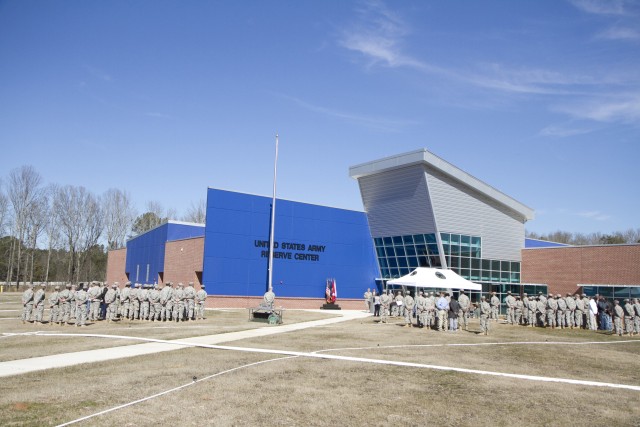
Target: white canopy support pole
x,y
273,217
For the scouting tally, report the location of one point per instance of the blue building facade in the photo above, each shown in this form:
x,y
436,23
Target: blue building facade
x,y
312,243
145,253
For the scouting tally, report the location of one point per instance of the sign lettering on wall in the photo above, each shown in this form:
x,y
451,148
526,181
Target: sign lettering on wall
x,y
291,250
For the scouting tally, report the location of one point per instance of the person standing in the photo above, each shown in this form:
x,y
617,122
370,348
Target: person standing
x,y
525,309
510,302
65,305
166,299
72,303
135,301
408,303
110,301
593,314
518,310
454,309
385,301
81,298
486,312
155,306
376,304
178,303
94,296
201,299
54,307
443,308
561,311
367,300
125,300
629,312
27,303
552,308
38,303
189,301
570,314
579,313
421,307
495,306
143,296
463,313
636,318
618,314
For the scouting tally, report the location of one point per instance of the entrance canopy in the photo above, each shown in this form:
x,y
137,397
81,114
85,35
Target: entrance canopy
x,y
423,277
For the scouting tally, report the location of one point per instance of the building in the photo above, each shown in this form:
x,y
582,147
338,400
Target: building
x,y
425,212
609,270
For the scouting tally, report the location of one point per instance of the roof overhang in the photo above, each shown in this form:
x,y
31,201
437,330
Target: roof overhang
x,y
426,158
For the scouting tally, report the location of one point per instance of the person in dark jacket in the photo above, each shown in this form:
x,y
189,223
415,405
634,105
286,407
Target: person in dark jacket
x,y
454,308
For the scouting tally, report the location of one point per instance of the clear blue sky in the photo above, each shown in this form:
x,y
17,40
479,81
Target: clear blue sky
x,y
540,99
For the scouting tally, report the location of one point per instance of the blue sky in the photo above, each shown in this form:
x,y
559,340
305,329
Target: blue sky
x,y
540,99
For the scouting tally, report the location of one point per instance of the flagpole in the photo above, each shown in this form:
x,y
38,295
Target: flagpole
x,y
273,217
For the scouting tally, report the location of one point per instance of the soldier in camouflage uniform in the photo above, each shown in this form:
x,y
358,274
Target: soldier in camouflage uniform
x,y
201,299
463,314
561,311
385,300
552,308
629,314
38,303
532,312
166,299
156,305
579,313
81,298
135,301
408,303
178,303
431,310
510,302
93,295
125,300
27,303
65,304
421,309
541,312
112,306
636,318
518,309
495,306
618,313
189,301
152,309
525,309
54,306
143,296
570,314
486,313
397,309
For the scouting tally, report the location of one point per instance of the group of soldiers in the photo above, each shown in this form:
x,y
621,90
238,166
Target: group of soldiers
x,y
554,311
172,302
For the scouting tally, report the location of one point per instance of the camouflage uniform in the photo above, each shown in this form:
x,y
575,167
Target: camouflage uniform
x,y
525,309
201,298
27,303
54,306
510,302
112,306
431,310
81,298
636,318
421,309
143,296
189,301
518,308
629,313
570,314
495,306
166,299
541,312
65,304
385,300
398,310
93,295
125,301
552,308
178,303
579,313
408,309
156,305
561,312
135,301
486,312
618,313
72,301
463,314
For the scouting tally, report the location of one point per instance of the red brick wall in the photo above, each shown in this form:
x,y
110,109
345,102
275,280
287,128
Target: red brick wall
x,y
116,263
221,301
564,268
182,259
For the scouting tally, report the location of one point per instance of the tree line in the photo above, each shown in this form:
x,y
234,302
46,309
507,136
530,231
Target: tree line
x,y
62,233
581,239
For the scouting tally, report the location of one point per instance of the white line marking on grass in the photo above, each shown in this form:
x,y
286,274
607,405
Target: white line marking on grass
x,y
365,360
171,390
7,311
481,344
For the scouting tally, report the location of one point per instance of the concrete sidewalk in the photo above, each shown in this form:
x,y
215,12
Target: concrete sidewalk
x,y
23,366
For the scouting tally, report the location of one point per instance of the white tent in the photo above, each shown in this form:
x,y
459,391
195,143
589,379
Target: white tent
x,y
423,277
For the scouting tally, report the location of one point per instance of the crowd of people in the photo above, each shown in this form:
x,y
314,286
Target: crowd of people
x,y
445,312
99,301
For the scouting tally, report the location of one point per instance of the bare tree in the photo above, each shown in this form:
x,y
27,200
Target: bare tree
x,y
119,215
24,190
81,222
4,211
37,221
52,230
197,212
154,216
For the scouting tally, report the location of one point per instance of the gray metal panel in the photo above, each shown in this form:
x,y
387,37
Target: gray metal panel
x,y
461,209
397,202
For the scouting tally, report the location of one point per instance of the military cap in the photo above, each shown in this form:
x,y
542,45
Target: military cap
x,y
181,284
493,292
568,294
30,285
616,302
68,285
202,286
57,288
540,293
584,295
137,285
549,294
483,297
517,296
190,283
508,292
44,285
114,285
524,294
462,291
626,300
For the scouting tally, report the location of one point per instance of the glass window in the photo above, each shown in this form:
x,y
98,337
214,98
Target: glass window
x,y
515,277
402,262
410,250
408,240
475,263
394,272
486,264
387,241
380,252
634,291
430,238
455,249
495,276
404,271
383,263
455,262
504,277
465,251
433,248
378,241
515,266
445,237
384,272
413,262
419,238
466,273
621,292
445,248
505,266
465,262
421,249
475,274
400,251
475,252
475,241
465,240
606,291
391,252
455,238
485,276
393,262
397,241
424,262
495,265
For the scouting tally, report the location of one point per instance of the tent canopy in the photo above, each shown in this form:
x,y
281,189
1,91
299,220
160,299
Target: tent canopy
x,y
423,277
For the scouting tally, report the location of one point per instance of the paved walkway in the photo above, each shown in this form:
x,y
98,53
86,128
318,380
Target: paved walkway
x,y
23,366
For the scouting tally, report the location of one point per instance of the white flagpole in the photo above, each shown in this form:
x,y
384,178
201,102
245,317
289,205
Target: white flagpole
x,y
273,217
